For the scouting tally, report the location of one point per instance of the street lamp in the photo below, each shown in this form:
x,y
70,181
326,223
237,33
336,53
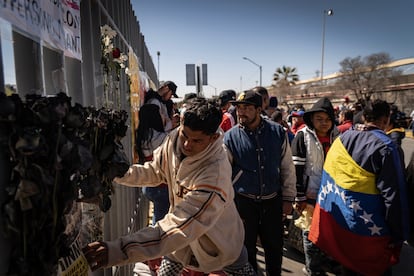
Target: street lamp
x,y
325,13
260,68
215,89
158,70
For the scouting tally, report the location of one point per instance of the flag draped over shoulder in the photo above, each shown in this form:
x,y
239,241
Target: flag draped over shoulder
x,y
349,218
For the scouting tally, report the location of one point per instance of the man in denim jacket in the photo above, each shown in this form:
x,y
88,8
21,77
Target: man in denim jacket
x,y
263,178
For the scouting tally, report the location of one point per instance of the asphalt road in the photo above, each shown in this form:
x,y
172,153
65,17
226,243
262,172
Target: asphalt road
x,y
293,260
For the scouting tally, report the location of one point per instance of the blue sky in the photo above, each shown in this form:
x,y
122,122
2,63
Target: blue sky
x,y
272,33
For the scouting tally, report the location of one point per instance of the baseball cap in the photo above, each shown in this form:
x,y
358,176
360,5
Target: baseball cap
x,y
298,113
249,97
189,96
171,85
226,96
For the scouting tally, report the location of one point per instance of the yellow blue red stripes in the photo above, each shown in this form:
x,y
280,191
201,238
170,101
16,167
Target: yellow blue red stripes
x,y
347,173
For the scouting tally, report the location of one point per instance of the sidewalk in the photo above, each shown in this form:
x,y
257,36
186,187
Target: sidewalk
x,y
293,262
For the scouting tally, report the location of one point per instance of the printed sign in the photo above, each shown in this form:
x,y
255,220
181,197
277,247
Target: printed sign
x,y
54,22
75,264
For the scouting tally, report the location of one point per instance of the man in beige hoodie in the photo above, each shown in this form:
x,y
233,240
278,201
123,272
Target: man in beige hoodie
x,y
202,230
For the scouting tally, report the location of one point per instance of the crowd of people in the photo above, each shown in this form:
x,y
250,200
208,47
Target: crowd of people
x,y
225,173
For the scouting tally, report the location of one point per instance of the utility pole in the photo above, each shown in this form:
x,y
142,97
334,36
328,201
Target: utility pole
x,y
158,70
329,13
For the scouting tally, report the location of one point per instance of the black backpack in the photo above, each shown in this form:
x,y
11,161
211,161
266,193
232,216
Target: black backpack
x,y
151,94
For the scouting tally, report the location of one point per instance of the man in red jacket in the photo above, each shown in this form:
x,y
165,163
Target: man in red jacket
x,y
297,121
224,99
346,118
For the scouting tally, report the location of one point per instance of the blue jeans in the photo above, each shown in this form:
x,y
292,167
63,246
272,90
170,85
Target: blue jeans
x,y
159,197
315,259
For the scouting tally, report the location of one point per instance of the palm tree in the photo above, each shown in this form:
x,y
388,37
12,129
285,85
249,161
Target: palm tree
x,y
285,76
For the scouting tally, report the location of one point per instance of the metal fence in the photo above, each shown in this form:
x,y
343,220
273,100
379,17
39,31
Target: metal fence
x,y
45,71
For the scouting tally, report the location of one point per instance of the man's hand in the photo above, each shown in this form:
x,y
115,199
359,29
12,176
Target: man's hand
x,y
175,120
287,209
300,206
96,254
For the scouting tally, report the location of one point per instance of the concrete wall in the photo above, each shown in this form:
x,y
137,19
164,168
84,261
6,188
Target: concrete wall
x,y
401,94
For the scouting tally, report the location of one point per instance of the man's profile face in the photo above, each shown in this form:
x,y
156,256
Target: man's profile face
x,y
165,92
266,101
193,142
297,120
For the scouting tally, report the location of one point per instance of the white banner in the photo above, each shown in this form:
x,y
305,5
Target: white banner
x,y
55,22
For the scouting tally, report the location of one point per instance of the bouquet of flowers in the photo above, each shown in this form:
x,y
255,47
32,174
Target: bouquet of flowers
x,y
57,154
112,57
113,63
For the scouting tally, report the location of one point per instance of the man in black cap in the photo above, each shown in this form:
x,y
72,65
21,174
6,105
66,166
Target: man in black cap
x,y
189,96
160,98
263,178
232,108
171,87
265,100
225,99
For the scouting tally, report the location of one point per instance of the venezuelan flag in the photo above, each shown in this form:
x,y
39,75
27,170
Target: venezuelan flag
x,y
349,218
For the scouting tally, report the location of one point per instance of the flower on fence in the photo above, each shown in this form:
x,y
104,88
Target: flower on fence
x,y
55,154
113,61
112,57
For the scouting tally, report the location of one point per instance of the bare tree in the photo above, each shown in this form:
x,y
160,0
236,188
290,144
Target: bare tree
x,y
366,76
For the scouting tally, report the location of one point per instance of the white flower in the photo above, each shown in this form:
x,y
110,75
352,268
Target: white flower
x,y
107,46
108,50
123,57
105,29
108,31
112,34
106,41
129,71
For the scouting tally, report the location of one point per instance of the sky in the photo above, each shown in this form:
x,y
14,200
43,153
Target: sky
x,y
272,34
